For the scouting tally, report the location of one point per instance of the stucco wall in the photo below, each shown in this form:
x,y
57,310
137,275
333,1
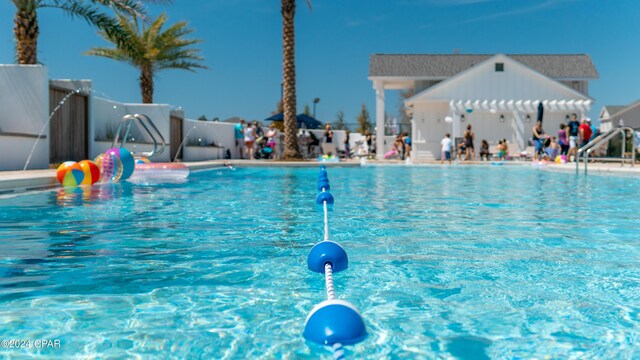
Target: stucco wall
x,y
24,104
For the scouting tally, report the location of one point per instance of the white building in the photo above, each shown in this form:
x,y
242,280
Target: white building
x,y
610,116
497,94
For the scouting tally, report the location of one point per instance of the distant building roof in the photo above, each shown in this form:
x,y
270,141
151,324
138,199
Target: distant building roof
x,y
570,66
614,109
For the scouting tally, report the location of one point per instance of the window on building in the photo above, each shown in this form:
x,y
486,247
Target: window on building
x,y
499,67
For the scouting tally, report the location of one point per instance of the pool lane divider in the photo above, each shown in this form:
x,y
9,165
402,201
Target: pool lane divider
x,y
332,322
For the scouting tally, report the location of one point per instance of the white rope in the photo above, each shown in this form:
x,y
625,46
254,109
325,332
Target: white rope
x,y
328,281
326,220
338,352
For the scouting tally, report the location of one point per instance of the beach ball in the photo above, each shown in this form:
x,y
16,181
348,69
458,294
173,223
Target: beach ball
x,y
110,167
142,160
564,158
126,159
91,172
69,173
558,159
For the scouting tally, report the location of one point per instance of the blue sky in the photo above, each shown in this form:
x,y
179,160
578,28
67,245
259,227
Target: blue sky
x,y
334,41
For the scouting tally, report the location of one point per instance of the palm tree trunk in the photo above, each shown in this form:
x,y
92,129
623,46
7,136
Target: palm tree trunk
x,y
146,84
291,151
26,31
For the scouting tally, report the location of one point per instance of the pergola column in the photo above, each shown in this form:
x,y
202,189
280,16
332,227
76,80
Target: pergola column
x,y
379,88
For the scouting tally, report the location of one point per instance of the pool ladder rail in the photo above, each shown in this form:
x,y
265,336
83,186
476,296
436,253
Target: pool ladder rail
x,y
604,138
149,128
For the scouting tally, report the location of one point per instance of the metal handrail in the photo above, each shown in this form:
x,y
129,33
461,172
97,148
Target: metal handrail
x,y
602,139
146,123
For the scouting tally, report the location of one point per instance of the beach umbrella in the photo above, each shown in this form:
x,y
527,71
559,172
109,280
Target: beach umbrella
x,y
303,120
540,111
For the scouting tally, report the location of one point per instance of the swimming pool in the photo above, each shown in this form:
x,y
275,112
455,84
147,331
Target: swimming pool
x,y
467,262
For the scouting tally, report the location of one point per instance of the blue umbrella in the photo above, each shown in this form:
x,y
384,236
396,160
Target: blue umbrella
x,y
540,111
308,121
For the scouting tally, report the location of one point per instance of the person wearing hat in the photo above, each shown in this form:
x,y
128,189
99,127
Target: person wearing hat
x,y
585,132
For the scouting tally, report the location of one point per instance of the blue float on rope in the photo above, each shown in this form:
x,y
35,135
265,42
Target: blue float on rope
x,y
323,178
327,252
324,196
323,185
334,321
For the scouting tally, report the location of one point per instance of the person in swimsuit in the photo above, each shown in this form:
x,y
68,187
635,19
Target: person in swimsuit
x,y
538,138
406,148
468,143
249,140
328,134
484,150
563,139
272,135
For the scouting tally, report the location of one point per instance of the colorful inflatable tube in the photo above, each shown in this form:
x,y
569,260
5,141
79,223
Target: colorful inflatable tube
x,y
159,172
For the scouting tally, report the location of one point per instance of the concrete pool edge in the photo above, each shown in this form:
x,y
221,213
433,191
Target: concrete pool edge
x,y
12,182
20,181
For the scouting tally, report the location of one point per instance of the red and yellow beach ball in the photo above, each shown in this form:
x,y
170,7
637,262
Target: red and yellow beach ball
x,y
91,172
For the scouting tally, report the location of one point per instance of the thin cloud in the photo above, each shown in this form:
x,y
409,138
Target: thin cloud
x,y
444,3
524,10
364,21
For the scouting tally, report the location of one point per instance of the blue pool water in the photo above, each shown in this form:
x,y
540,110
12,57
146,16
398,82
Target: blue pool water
x,y
460,262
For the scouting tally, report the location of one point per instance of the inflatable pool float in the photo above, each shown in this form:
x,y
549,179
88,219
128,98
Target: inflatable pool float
x,y
158,172
325,158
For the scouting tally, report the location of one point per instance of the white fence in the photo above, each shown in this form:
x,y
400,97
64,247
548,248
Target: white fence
x,y
24,104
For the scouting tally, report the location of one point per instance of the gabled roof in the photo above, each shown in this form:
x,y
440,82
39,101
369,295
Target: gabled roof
x,y
429,92
614,109
557,66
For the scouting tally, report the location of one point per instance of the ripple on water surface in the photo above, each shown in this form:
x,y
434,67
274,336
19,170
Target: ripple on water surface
x,y
460,262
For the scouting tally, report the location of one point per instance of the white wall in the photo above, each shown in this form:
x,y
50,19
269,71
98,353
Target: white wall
x,y
218,132
106,115
24,104
431,127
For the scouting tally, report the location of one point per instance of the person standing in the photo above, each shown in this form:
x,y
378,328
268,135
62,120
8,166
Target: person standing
x,y
272,135
468,143
258,128
573,135
537,138
446,148
239,134
594,129
585,132
347,147
369,140
249,140
328,134
563,139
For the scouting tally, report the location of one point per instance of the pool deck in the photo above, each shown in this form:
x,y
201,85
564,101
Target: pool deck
x,y
22,181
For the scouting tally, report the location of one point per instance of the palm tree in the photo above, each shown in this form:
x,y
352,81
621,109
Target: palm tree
x,y
291,150
150,49
26,29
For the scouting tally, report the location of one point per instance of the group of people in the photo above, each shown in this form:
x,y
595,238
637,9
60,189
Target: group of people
x,y
464,147
253,142
401,147
569,139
